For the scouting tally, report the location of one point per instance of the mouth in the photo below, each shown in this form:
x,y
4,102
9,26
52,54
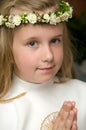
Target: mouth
x,y
47,68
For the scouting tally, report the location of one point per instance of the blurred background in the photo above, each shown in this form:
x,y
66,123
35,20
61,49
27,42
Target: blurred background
x,y
77,27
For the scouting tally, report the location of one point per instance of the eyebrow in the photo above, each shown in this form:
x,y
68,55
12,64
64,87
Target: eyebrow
x,y
36,37
60,35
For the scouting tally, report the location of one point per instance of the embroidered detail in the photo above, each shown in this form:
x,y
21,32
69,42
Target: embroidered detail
x,y
13,98
47,122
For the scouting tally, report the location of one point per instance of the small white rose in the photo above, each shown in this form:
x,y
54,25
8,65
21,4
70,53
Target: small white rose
x,y
67,3
58,19
64,17
71,11
10,25
32,18
53,19
17,20
1,19
46,18
10,18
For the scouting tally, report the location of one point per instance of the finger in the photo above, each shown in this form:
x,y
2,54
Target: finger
x,y
73,103
69,121
74,126
67,106
72,119
62,116
75,113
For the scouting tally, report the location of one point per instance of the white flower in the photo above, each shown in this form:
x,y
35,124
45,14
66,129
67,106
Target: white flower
x,y
53,19
64,16
1,19
32,18
16,20
58,19
67,3
46,18
10,25
10,18
71,11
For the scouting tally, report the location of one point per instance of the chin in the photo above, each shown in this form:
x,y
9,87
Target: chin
x,y
45,79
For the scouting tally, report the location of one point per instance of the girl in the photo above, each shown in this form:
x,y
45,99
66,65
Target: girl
x,y
37,86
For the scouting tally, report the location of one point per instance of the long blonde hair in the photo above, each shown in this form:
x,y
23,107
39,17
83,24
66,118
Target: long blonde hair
x,y
6,40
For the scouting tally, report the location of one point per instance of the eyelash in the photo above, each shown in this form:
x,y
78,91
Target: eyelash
x,y
32,43
53,41
56,41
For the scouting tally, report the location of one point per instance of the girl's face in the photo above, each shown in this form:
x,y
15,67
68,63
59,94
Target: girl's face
x,y
38,51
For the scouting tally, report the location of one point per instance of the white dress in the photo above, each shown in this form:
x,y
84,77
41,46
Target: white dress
x,y
29,111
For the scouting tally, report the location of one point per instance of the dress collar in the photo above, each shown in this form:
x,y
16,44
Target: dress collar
x,y
28,86
20,86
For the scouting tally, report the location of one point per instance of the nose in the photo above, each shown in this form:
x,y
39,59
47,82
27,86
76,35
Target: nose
x,y
47,54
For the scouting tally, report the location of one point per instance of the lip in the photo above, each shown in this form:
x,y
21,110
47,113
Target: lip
x,y
47,68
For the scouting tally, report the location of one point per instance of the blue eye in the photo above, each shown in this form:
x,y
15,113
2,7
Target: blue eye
x,y
55,41
32,43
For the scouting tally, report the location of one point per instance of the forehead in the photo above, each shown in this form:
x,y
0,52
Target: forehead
x,y
36,30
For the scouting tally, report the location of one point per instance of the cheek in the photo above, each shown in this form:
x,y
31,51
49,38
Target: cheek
x,y
59,55
25,61
22,61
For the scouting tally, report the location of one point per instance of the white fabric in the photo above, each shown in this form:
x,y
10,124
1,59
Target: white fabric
x,y
28,111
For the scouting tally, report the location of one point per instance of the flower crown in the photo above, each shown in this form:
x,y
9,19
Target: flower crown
x,y
63,14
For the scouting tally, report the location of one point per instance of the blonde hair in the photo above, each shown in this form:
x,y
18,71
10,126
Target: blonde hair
x,y
6,40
